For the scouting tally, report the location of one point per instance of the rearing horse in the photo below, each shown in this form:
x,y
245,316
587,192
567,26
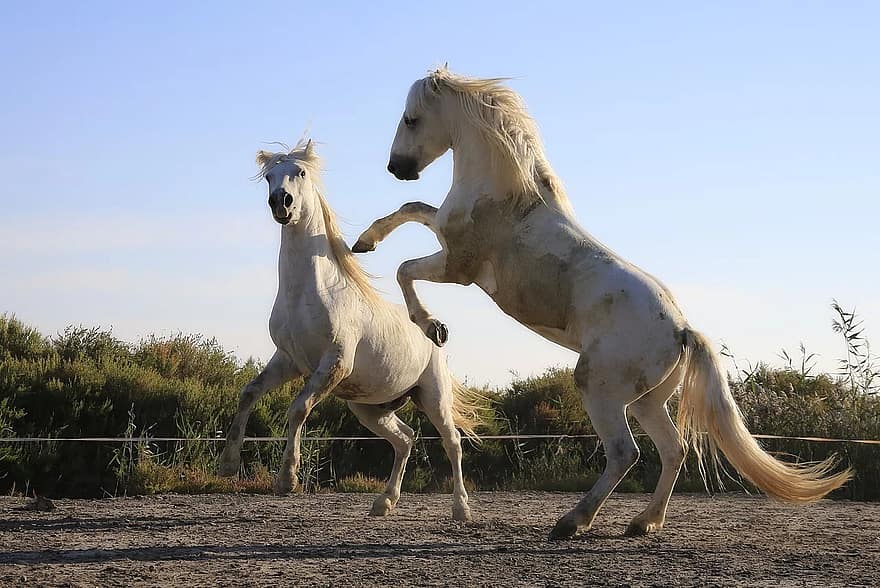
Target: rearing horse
x,y
507,226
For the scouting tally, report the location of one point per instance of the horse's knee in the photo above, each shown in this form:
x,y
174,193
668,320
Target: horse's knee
x,y
404,272
403,445
296,413
621,455
407,432
249,395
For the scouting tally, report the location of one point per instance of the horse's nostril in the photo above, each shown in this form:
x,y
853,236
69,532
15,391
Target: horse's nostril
x,y
392,168
288,200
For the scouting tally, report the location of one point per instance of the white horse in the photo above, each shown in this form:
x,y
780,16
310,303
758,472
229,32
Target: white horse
x,y
507,226
329,324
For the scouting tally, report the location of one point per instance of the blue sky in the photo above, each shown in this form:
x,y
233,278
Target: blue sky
x,y
732,151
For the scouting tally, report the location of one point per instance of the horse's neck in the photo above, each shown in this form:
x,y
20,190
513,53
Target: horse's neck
x,y
477,176
478,169
473,167
306,256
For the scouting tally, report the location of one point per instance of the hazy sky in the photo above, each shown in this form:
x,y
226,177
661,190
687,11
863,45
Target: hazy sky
x,y
732,151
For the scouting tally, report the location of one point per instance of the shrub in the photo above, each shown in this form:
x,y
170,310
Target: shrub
x,y
85,382
360,483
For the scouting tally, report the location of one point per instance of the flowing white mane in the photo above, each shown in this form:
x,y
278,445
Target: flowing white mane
x,y
303,153
501,115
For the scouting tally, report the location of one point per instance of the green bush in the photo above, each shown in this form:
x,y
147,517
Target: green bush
x,y
86,383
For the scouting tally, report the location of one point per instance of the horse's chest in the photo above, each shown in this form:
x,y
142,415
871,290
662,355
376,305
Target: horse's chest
x,y
471,237
304,329
464,255
509,259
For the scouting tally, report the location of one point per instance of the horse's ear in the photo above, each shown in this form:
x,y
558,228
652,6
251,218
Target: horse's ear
x,y
310,148
263,157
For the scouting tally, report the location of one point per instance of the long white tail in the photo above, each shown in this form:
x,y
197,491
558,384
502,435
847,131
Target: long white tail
x,y
707,406
468,409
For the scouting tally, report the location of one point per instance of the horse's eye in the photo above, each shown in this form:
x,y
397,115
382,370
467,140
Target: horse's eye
x,y
302,173
410,122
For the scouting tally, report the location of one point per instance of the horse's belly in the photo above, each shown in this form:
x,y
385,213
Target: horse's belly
x,y
563,337
389,360
376,384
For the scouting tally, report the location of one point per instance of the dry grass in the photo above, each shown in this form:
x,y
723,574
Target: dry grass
x,y
149,477
360,483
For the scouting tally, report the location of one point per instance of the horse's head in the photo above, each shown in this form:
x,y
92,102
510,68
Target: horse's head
x,y
290,184
422,134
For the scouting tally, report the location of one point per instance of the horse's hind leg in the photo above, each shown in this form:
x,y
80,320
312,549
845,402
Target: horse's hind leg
x,y
607,411
435,400
387,425
651,412
278,371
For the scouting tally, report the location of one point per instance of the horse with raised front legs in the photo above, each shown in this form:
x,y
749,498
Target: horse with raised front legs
x,y
329,324
507,226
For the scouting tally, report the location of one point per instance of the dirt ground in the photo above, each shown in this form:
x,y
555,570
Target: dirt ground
x,y
328,540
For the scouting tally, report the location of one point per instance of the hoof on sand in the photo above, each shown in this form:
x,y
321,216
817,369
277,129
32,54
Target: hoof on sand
x,y
381,507
461,513
565,529
283,487
639,528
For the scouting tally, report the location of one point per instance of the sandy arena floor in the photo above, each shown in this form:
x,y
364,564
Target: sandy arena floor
x,y
328,540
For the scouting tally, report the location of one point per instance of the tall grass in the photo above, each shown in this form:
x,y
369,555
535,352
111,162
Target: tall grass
x,y
85,382
859,367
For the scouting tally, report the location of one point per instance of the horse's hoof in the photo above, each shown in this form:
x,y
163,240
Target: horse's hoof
x,y
362,247
565,529
437,332
228,469
381,507
639,528
461,513
283,487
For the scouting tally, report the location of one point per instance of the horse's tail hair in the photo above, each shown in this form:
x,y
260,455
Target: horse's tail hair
x,y
708,418
469,409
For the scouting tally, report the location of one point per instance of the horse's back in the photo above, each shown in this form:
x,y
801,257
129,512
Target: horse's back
x,y
543,269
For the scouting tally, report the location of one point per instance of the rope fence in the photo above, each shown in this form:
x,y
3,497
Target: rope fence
x,y
328,439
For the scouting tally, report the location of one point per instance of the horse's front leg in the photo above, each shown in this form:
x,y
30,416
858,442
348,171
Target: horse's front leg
x,y
432,269
410,212
332,369
278,371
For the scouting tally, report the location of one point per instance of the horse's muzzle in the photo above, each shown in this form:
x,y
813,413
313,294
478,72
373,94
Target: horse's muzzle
x,y
279,203
284,220
404,167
